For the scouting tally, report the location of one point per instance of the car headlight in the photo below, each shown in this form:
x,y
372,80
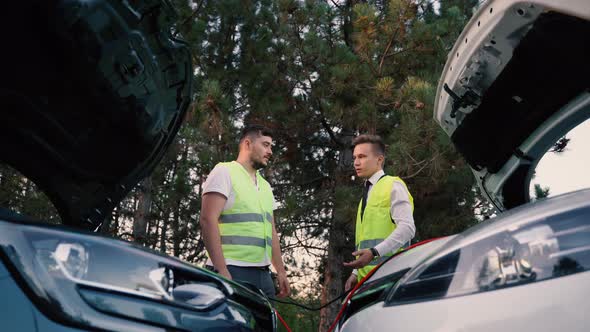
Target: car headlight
x,y
69,273
512,255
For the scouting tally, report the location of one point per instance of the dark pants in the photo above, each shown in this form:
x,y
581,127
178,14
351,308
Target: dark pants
x,y
259,277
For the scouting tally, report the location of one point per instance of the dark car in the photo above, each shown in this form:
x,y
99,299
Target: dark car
x,y
92,94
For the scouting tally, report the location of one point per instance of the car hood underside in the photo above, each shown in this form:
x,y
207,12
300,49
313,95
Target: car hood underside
x,y
92,95
554,55
505,88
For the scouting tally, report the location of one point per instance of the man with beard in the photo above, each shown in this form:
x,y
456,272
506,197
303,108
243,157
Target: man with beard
x,y
237,220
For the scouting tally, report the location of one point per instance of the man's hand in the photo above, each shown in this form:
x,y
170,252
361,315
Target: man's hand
x,y
225,273
277,262
284,288
365,256
350,282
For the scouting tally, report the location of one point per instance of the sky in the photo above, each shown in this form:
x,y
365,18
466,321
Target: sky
x,y
569,170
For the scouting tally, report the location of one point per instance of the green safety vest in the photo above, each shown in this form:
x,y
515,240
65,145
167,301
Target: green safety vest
x,y
376,223
246,228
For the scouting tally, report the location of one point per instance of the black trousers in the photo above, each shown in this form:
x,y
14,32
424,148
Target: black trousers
x,y
258,276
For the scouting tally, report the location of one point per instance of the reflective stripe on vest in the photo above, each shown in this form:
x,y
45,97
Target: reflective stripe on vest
x,y
241,217
366,244
376,224
246,228
246,240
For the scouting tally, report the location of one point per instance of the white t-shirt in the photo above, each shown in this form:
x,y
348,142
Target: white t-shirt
x,y
219,181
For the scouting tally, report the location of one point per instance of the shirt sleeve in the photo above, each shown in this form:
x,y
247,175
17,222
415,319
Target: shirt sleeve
x,y
402,214
218,181
274,201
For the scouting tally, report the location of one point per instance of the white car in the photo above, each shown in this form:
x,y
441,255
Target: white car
x,y
515,82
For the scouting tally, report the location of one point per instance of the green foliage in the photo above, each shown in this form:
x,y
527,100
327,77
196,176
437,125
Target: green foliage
x,y
541,192
21,195
298,318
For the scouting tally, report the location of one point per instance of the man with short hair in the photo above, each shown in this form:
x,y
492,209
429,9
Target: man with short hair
x,y
384,221
237,217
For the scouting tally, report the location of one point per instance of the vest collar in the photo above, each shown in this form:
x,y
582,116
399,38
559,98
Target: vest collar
x,y
243,169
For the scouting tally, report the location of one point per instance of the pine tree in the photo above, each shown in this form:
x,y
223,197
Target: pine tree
x,y
541,192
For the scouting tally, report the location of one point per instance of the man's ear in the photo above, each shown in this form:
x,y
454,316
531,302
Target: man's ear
x,y
243,145
247,143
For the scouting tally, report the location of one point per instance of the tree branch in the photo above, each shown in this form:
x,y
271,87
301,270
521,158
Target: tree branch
x,y
326,126
336,4
385,52
190,18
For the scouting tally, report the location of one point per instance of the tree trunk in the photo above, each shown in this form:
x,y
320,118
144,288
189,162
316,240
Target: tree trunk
x,y
338,250
143,210
333,275
177,229
163,234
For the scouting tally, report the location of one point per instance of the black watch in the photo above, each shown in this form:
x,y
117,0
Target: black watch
x,y
374,252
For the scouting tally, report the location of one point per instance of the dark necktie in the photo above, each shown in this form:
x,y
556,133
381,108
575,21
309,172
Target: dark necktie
x,y
365,196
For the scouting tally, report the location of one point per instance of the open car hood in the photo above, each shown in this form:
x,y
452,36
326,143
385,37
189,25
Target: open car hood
x,y
515,82
92,94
